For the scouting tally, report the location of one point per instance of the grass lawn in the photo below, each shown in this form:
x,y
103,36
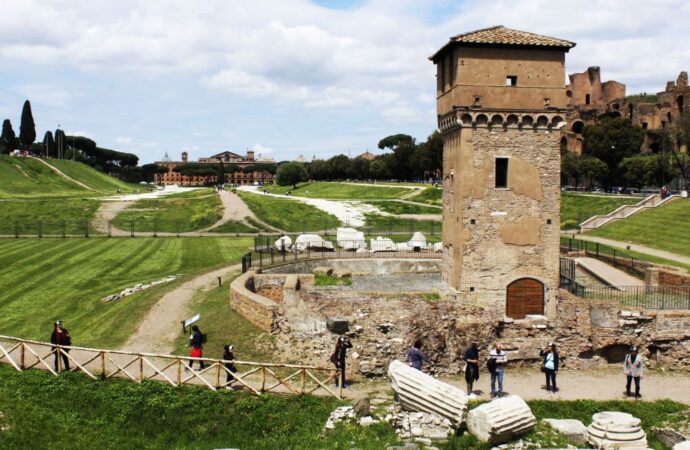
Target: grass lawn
x,y
383,224
665,228
321,279
27,177
46,215
187,211
151,415
341,191
49,279
225,326
288,215
431,196
394,207
93,178
576,208
234,226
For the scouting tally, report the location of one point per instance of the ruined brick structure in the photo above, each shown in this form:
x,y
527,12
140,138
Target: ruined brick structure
x,y
501,104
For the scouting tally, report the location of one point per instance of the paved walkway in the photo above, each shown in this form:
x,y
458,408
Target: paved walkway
x,y
607,273
637,248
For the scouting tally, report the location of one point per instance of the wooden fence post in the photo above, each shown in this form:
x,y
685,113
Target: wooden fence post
x,y
103,374
22,361
141,368
263,378
217,375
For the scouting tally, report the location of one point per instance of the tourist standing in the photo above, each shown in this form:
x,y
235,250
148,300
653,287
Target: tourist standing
x,y
60,337
339,356
196,342
472,367
550,366
416,357
633,368
496,364
228,355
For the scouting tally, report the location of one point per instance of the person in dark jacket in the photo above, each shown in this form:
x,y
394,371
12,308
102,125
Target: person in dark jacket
x,y
550,365
228,355
416,357
339,356
197,349
60,336
471,358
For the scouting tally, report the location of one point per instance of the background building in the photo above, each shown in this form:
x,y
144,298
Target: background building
x,y
238,170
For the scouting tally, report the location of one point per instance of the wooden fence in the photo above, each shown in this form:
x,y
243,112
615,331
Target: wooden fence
x,y
255,377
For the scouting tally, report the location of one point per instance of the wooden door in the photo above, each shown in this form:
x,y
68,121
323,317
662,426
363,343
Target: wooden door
x,y
525,296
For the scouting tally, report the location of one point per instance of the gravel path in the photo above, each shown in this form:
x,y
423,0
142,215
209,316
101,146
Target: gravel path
x,y
161,325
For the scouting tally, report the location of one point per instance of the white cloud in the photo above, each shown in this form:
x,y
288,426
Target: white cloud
x,y
124,140
260,149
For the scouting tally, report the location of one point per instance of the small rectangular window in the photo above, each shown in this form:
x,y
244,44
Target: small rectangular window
x,y
645,125
501,172
588,99
511,80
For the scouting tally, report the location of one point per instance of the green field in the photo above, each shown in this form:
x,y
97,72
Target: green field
x,y
341,191
27,177
665,228
49,279
393,207
576,208
176,213
430,196
234,226
93,178
46,216
378,224
72,411
288,215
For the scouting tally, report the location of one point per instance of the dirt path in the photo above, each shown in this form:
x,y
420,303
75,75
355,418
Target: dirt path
x,y
600,384
637,248
105,214
63,175
161,325
235,209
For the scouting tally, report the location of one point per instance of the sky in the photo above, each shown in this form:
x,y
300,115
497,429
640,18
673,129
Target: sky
x,y
288,77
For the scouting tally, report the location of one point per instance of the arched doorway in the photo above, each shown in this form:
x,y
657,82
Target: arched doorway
x,y
524,296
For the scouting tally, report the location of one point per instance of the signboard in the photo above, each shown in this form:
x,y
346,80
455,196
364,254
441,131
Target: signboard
x,y
189,322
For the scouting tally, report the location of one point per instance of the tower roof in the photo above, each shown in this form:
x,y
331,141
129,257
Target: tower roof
x,y
502,36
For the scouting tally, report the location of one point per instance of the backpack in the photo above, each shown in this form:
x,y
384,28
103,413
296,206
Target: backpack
x,y
491,365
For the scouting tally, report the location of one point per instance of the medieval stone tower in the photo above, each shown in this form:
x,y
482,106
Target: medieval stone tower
x,y
501,101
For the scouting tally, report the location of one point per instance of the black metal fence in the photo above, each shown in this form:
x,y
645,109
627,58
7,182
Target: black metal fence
x,y
648,297
617,258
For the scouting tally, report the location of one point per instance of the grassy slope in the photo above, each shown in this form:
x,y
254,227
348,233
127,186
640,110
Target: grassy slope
x,y
576,208
43,280
117,414
393,207
27,177
341,191
92,177
187,211
289,215
27,213
431,196
233,226
225,326
665,228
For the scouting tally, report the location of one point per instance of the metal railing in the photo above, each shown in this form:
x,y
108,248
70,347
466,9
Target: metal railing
x,y
647,297
254,377
617,258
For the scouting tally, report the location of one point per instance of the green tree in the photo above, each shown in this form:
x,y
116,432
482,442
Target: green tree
x,y
27,128
592,169
291,173
49,144
60,143
8,140
610,140
220,174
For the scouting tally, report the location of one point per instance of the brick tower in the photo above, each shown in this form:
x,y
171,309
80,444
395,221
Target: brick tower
x,y
501,100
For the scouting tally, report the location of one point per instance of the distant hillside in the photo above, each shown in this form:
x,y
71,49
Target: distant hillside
x,y
28,177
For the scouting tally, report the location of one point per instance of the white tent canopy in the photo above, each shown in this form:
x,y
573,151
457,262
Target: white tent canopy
x,y
350,239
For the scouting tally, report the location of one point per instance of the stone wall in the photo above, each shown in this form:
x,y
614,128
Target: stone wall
x,y
259,310
356,266
656,276
494,236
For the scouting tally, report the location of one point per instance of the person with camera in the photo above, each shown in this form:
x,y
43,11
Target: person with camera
x,y
60,336
550,366
339,356
416,357
496,363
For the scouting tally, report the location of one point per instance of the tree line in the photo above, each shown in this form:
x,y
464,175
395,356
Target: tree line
x,y
612,157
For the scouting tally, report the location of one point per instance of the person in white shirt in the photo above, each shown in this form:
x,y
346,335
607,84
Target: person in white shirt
x,y
496,364
633,366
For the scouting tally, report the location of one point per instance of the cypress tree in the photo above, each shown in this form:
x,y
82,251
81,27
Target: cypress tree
x,y
220,175
59,143
49,144
27,128
8,140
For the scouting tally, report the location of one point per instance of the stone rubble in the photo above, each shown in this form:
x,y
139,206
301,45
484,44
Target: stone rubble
x,y
424,428
340,414
685,445
138,287
419,392
612,429
501,420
